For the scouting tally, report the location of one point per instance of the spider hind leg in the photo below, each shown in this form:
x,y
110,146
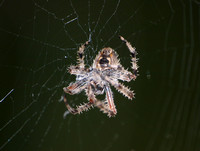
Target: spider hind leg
x,y
133,57
103,106
79,109
109,99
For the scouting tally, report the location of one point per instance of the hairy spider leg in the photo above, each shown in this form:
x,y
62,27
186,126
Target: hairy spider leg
x,y
76,87
133,57
100,104
109,99
121,88
76,71
92,101
80,54
123,74
79,109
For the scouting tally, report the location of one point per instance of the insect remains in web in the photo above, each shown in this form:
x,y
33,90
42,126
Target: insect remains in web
x,y
106,71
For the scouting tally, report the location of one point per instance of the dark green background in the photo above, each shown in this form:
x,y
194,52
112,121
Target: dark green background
x,y
37,45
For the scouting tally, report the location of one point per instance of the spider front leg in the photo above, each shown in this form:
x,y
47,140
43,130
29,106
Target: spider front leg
x,y
133,56
76,70
80,53
80,68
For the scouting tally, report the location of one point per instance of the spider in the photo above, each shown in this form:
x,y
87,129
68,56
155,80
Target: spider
x,y
106,70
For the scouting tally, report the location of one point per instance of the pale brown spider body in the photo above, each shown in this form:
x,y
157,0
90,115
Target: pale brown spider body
x,y
106,70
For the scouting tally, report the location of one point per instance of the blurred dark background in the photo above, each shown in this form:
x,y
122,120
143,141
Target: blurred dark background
x,y
39,40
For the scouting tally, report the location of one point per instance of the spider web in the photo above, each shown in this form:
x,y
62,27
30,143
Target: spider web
x,y
39,40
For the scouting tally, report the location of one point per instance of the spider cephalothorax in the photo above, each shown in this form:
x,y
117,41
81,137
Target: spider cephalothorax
x,y
106,59
95,80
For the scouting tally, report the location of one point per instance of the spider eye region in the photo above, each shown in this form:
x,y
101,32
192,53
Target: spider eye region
x,y
106,51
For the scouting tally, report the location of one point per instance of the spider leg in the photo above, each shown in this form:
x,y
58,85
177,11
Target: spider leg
x,y
133,57
80,52
109,99
76,87
100,104
121,88
104,108
123,74
92,101
76,70
79,109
